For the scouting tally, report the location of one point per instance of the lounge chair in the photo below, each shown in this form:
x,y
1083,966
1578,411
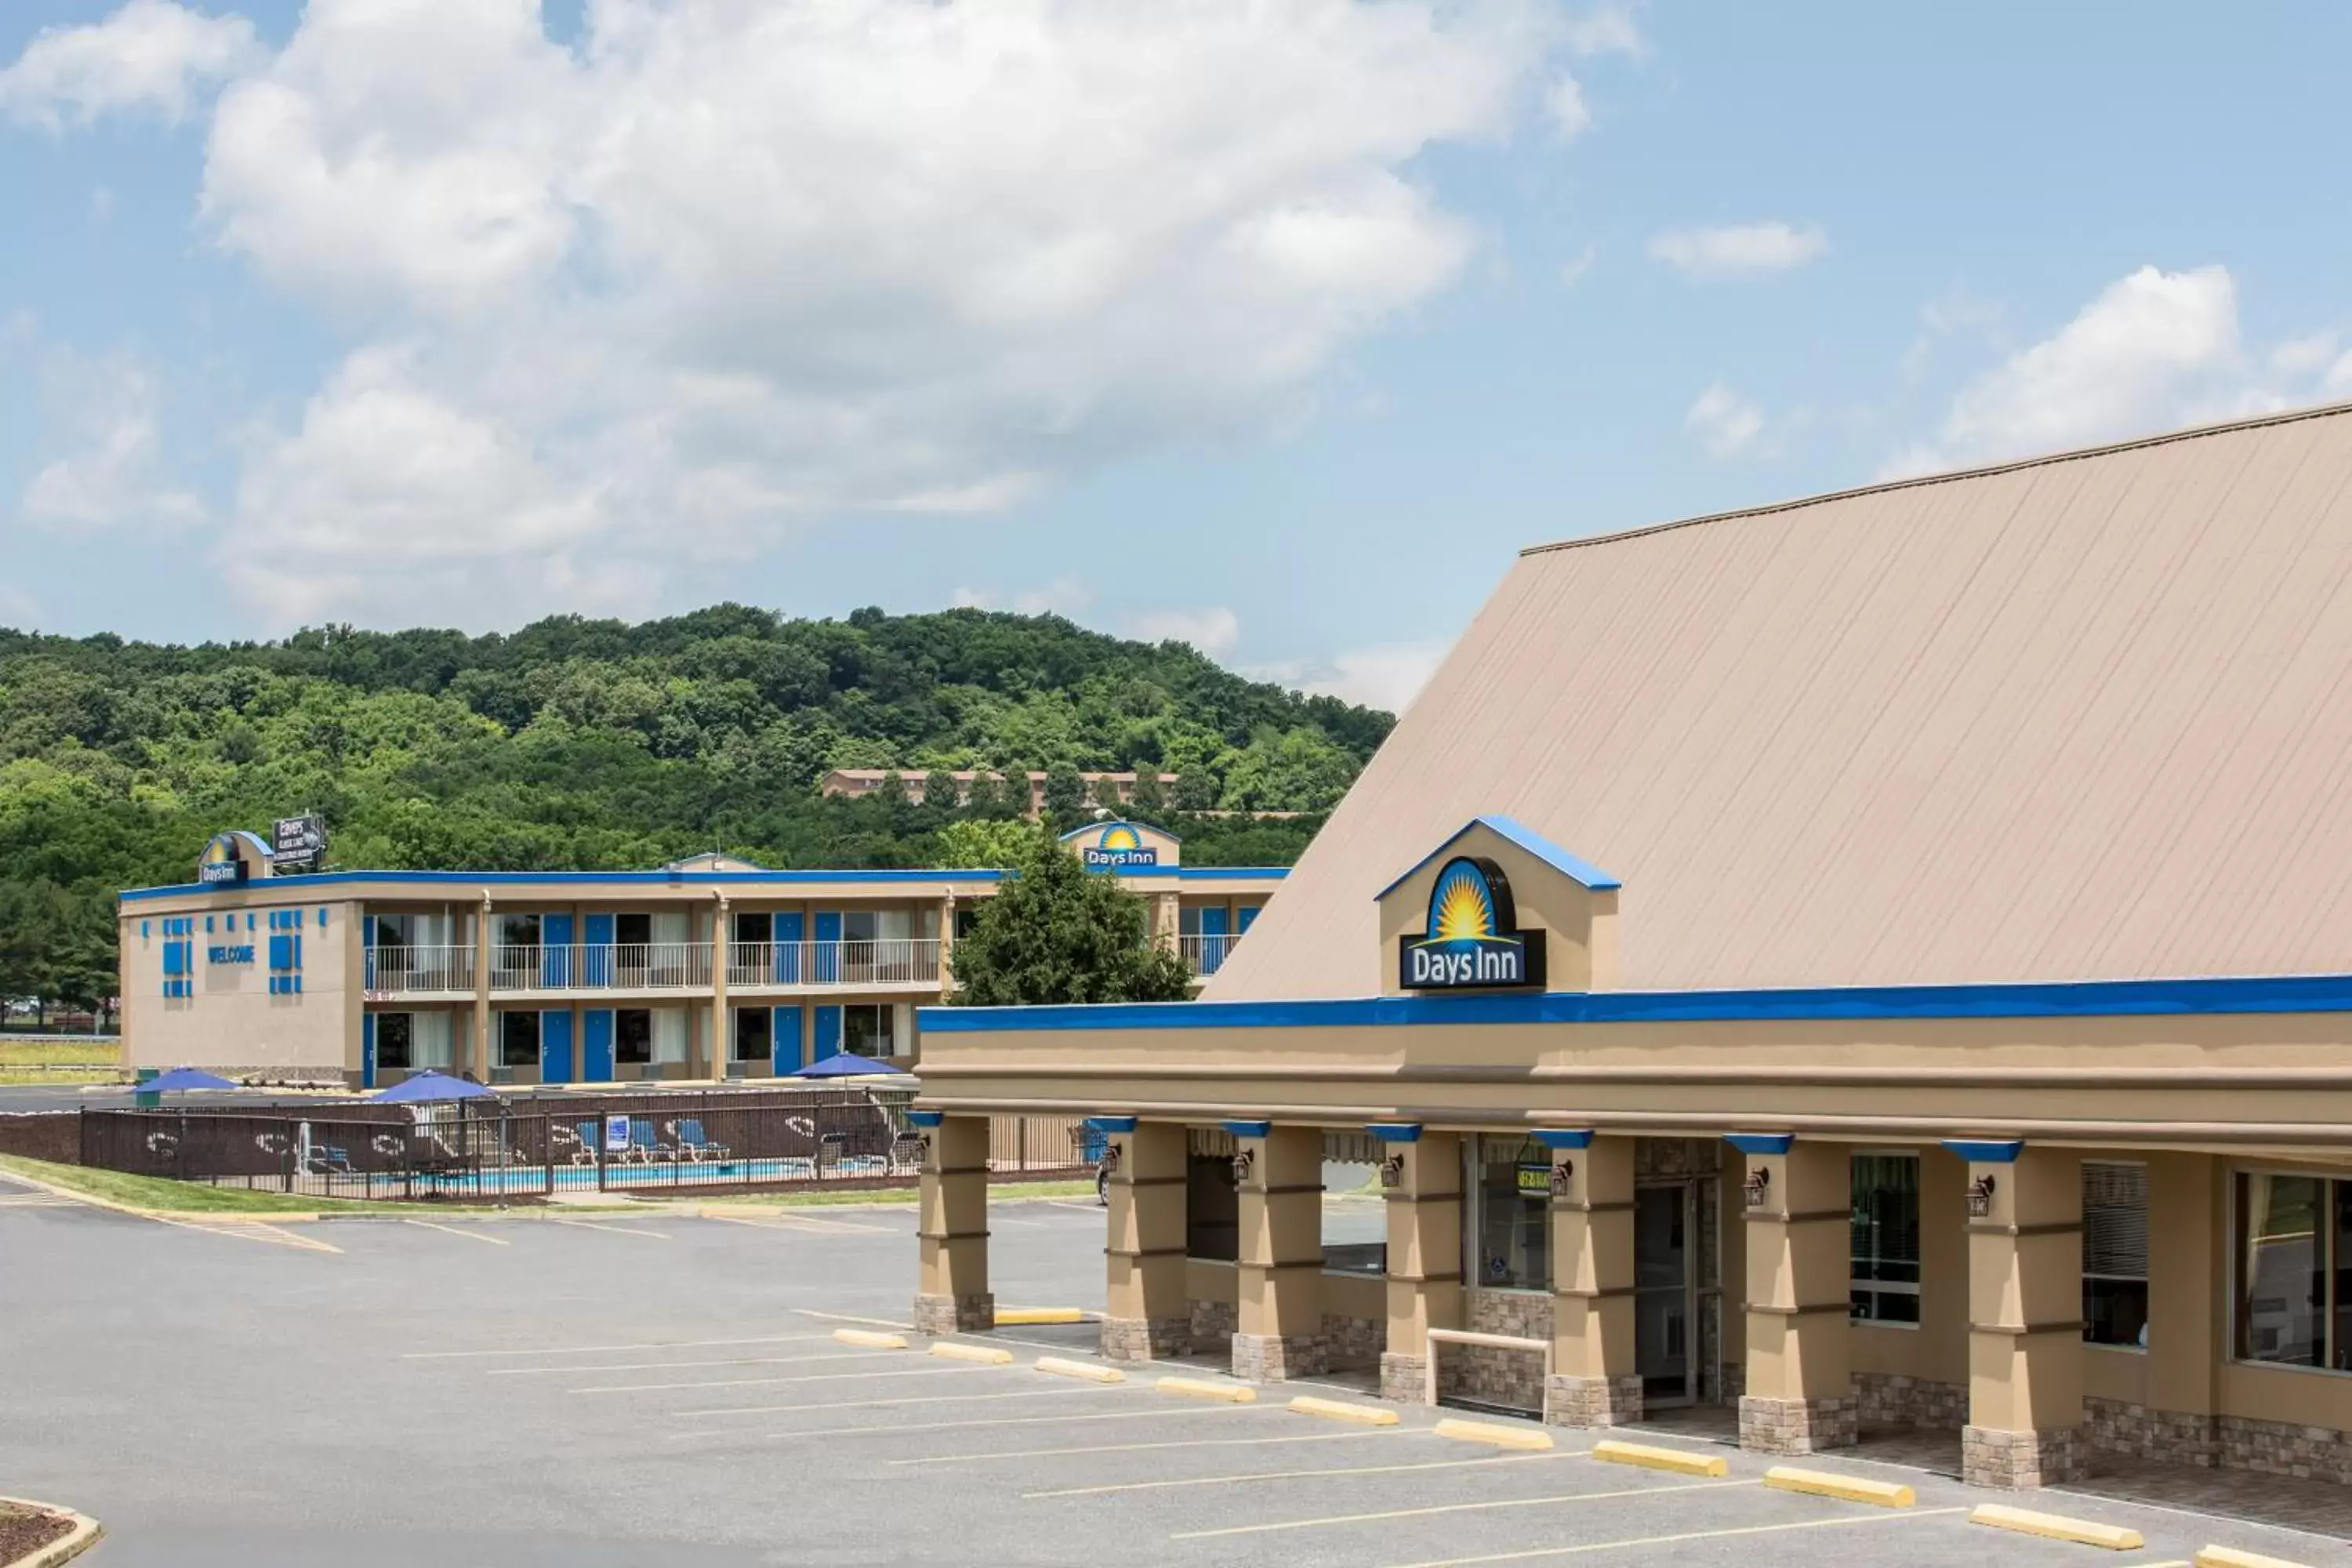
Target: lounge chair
x,y
907,1154
645,1147
584,1137
329,1160
693,1145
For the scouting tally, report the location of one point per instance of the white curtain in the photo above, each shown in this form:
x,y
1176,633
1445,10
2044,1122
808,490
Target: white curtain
x,y
672,926
429,1039
669,1031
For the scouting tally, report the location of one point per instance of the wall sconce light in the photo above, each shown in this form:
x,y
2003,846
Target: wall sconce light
x,y
1980,1196
1241,1163
1393,1169
1760,1181
925,1154
1110,1158
1561,1174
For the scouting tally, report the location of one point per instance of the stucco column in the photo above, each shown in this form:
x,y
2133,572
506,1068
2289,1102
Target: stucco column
x,y
1279,1177
953,1295
1167,922
1799,1207
2025,1315
2187,1326
480,1051
1425,1255
1593,1381
1148,1317
722,948
947,945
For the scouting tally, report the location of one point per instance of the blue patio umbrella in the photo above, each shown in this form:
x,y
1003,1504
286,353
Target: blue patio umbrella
x,y
430,1086
845,1065
180,1078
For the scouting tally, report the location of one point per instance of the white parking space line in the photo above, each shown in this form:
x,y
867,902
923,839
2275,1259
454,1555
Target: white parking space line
x,y
615,1350
1077,1390
458,1230
1581,1547
849,1318
573,1369
803,1224
1559,1499
1095,1209
1160,1412
615,1230
1489,1461
770,1381
1349,1436
249,1230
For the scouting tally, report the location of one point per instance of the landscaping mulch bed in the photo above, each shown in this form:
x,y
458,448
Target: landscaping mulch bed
x,y
23,1533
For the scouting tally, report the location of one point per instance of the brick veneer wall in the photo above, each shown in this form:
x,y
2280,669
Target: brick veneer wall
x,y
1898,1399
1513,1379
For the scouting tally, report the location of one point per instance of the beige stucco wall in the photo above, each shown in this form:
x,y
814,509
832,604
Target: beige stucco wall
x,y
1581,925
232,1020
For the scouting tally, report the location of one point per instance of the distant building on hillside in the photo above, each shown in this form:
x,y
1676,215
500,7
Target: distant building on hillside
x,y
866,780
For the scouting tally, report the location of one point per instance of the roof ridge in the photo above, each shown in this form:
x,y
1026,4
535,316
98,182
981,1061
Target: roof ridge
x,y
2189,433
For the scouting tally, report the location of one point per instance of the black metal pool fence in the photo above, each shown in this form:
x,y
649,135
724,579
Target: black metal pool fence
x,y
489,1150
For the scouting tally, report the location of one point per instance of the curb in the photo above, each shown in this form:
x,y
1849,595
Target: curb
x,y
1673,1460
2058,1527
72,1544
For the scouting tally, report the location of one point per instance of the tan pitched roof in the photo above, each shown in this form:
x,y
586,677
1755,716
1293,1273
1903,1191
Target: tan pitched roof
x,y
2087,717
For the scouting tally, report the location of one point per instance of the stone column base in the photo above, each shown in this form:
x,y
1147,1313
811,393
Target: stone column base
x,y
1145,1339
1405,1379
1797,1426
1592,1401
2017,1461
954,1314
1273,1358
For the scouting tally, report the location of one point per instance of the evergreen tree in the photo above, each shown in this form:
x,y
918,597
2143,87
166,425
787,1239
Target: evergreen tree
x,y
1196,790
940,791
1057,932
1149,801
1066,795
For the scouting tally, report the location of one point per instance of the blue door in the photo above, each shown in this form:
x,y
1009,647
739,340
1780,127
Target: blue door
x,y
789,933
555,1047
828,947
596,1045
1213,939
828,1032
784,1039
1249,914
367,1050
596,959
555,952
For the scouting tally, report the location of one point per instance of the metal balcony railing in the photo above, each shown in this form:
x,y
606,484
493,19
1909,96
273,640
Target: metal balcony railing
x,y
892,961
602,966
420,971
1204,956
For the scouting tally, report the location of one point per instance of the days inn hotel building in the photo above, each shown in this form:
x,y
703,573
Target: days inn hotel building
x,y
709,968
1884,960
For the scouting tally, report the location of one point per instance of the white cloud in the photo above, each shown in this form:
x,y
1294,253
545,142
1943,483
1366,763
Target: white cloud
x,y
1570,116
2302,356
715,269
1573,270
1738,248
1609,30
1215,632
1387,676
1061,597
1727,424
2153,352
152,55
109,473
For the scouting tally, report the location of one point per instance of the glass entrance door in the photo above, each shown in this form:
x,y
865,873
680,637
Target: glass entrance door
x,y
1663,1308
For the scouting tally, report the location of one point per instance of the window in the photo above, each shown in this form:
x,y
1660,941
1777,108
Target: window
x,y
755,1036
518,930
859,925
871,1030
2284,1240
966,920
633,930
633,1035
1510,1229
396,930
2114,1254
1885,1279
519,1040
754,925
1355,1217
393,1039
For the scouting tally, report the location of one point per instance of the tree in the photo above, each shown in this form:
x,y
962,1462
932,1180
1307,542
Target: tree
x,y
1066,795
1196,791
983,843
1058,932
940,791
1149,801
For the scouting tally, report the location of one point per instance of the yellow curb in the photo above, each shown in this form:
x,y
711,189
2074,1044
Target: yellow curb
x,y
1192,1388
1846,1488
1500,1436
986,1355
1087,1369
1674,1459
2230,1557
67,1547
1029,1317
869,1340
1339,1410
2057,1527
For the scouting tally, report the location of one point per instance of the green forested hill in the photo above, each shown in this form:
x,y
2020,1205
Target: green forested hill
x,y
596,745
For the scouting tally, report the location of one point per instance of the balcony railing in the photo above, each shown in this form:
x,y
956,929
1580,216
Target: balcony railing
x,y
602,966
892,961
420,971
1204,956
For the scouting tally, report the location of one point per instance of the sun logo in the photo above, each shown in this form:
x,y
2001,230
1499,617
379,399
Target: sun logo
x,y
1120,835
218,853
1461,905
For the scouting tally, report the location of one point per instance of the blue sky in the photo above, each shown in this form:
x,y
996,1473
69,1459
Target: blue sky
x,y
1278,331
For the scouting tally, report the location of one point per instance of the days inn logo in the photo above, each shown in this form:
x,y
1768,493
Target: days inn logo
x,y
1471,938
221,862
1117,846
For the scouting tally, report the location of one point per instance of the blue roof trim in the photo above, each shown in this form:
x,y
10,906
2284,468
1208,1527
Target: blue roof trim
x,y
1760,1143
1249,1129
893,876
1110,1123
1557,1138
927,1118
1395,1131
1987,1150
1570,865
2059,999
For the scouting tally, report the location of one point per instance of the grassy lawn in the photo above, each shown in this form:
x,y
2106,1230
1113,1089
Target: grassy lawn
x,y
64,1049
187,1197
1006,1192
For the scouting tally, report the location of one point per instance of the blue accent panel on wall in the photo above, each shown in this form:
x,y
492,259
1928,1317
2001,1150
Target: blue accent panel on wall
x,y
554,951
1249,1129
596,1045
1986,1150
176,958
790,935
1760,1143
784,1041
367,1050
1563,1137
1395,1131
925,1118
828,1032
555,1047
1110,1123
828,953
596,963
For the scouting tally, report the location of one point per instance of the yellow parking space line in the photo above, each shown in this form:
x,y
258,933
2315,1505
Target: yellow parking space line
x,y
614,1350
614,1229
1299,1474
252,1230
458,1230
772,1382
1554,1501
573,1368
1689,1535
1076,1390
1136,1447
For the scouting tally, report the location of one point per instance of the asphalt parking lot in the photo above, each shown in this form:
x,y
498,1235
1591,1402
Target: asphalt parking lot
x,y
667,1389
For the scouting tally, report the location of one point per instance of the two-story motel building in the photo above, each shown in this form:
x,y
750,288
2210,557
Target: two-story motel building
x,y
709,968
1883,959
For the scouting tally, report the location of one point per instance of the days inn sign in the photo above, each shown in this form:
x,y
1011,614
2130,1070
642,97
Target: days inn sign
x,y
1471,938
